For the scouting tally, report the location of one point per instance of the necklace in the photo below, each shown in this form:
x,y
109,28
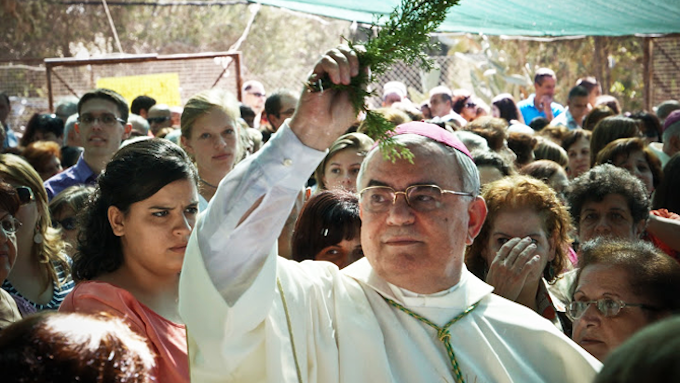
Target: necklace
x,y
207,183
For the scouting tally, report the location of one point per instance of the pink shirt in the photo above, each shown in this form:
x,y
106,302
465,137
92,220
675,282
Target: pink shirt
x,y
165,338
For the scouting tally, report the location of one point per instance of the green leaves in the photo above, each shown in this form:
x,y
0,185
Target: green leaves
x,y
404,36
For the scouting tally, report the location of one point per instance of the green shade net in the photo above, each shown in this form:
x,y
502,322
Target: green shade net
x,y
520,17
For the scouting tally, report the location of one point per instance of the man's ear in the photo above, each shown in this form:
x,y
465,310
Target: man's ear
x,y
127,131
116,220
476,215
76,127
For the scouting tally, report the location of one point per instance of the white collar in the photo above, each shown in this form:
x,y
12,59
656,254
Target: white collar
x,y
467,291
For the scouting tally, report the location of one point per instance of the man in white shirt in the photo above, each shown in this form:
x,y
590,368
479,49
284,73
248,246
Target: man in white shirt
x,y
409,312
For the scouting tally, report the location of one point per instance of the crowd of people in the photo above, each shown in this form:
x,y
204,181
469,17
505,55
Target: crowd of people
x,y
266,240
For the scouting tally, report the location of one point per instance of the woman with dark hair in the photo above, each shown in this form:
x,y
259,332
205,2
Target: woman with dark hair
x,y
45,157
131,248
43,127
464,105
608,130
523,244
65,348
63,209
329,229
597,114
9,204
634,155
667,195
649,125
621,287
42,273
523,145
504,106
577,144
341,166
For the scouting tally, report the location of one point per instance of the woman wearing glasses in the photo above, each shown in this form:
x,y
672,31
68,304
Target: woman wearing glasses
x,y
620,288
523,245
131,248
42,273
9,204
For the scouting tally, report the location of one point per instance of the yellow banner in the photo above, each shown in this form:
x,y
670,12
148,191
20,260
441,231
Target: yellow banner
x,y
163,87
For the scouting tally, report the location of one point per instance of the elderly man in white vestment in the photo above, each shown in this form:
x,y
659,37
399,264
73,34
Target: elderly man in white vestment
x,y
408,312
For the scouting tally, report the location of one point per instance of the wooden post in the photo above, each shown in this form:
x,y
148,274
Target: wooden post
x,y
648,72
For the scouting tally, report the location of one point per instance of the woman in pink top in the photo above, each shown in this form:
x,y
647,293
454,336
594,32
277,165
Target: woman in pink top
x,y
131,247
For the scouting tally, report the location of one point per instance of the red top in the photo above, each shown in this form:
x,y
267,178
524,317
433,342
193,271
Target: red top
x,y
165,338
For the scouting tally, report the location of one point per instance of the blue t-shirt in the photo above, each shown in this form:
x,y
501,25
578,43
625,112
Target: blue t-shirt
x,y
529,111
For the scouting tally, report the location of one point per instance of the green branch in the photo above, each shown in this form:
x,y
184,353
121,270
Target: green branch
x,y
405,36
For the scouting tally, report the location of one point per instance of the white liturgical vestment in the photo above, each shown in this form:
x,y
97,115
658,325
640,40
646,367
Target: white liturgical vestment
x,y
335,325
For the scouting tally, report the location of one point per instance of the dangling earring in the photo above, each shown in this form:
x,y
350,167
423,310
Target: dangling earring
x,y
37,238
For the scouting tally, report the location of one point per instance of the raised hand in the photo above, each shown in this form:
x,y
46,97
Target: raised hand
x,y
323,116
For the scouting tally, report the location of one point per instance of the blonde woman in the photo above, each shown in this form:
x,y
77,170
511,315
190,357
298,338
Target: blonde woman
x,y
41,274
211,136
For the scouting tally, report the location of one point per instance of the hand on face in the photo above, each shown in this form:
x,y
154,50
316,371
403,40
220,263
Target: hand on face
x,y
514,264
321,117
546,101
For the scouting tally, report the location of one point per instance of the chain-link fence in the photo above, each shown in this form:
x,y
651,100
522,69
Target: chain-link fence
x,y
665,69
26,81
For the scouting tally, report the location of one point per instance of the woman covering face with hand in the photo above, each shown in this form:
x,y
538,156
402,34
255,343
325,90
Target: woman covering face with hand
x,y
131,247
523,244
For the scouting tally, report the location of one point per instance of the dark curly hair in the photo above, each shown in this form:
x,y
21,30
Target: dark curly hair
x,y
135,173
68,347
603,180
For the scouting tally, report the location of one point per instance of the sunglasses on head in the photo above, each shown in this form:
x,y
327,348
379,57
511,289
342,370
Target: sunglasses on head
x,y
68,223
25,194
157,120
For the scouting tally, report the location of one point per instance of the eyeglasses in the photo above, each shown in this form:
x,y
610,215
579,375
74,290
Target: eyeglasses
x,y
10,225
67,224
606,306
471,105
157,120
422,198
258,94
106,119
25,194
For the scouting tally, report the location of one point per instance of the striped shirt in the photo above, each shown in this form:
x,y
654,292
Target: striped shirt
x,y
60,292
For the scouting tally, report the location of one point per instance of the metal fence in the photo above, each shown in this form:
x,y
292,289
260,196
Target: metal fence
x,y
33,85
664,70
